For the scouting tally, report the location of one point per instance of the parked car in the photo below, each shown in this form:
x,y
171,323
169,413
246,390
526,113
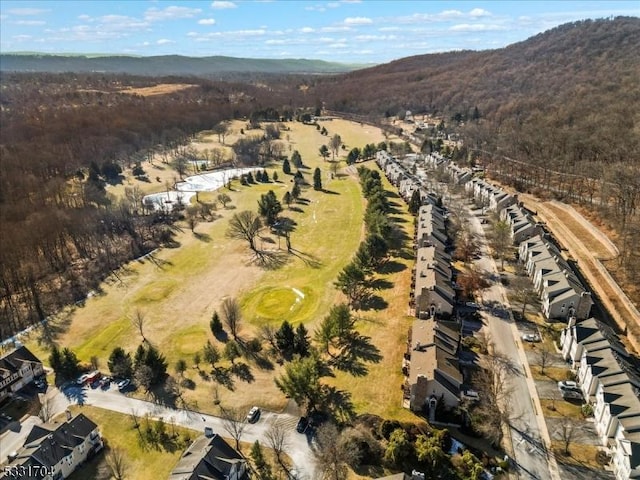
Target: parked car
x,y
470,395
574,394
105,383
567,385
123,384
40,383
531,337
253,415
302,425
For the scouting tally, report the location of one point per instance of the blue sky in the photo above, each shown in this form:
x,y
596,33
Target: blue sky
x,y
367,31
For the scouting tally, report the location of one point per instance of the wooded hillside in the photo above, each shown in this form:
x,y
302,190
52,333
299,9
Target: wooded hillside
x,y
557,114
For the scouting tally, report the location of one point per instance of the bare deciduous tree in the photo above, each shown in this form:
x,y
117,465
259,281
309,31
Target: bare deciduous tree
x,y
138,320
245,226
233,422
117,463
567,432
543,358
46,409
231,315
277,440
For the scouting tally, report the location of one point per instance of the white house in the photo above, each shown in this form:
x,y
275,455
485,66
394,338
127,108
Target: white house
x,y
58,448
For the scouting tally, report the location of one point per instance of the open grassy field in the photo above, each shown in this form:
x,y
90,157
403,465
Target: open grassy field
x,y
144,462
178,289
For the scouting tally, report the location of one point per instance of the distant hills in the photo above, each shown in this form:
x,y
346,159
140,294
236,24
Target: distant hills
x,y
165,65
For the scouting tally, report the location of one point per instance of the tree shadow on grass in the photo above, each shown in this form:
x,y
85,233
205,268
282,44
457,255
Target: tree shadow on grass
x,y
374,302
359,352
330,192
296,209
223,376
391,266
271,260
339,404
380,284
53,328
308,259
243,372
159,262
203,237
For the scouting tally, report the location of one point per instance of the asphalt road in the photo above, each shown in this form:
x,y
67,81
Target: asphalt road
x,y
529,436
298,446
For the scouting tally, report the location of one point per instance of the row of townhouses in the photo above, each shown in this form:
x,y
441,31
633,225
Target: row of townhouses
x,y
431,363
608,375
561,292
609,378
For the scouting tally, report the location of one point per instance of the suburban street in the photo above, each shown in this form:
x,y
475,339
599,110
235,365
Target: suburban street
x,y
298,446
528,431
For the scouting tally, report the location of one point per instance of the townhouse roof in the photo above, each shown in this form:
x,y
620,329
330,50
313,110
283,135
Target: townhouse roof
x,y
434,348
13,361
209,458
47,444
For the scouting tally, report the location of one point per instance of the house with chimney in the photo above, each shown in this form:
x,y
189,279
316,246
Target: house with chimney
x,y
432,370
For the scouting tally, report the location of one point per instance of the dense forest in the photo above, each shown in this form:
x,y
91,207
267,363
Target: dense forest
x,y
557,114
64,137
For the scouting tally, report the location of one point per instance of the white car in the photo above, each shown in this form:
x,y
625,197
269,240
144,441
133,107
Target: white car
x,y
567,385
253,414
531,337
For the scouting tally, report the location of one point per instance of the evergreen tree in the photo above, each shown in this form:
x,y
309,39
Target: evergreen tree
x,y
296,159
287,199
210,354
269,207
275,177
285,339
301,342
231,351
295,192
317,179
216,324
265,176
286,167
120,363
250,178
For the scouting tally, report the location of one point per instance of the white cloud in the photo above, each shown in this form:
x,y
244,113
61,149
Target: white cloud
x,y
164,41
30,22
479,12
221,5
307,30
22,37
192,34
475,27
170,13
315,8
84,17
27,11
357,21
368,38
277,42
207,21
333,5
337,45
389,29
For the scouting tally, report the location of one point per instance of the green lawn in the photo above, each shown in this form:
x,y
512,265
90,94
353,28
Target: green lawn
x,y
178,291
144,461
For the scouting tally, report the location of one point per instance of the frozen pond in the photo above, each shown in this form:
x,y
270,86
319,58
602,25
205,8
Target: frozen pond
x,y
207,182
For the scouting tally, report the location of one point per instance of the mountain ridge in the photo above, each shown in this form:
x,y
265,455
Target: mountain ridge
x,y
164,65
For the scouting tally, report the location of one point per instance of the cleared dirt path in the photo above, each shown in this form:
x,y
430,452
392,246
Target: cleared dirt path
x,y
586,245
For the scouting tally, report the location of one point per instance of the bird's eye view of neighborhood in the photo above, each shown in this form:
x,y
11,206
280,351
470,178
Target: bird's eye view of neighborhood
x,y
319,240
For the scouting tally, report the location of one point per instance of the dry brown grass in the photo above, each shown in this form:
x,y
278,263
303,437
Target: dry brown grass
x,y
160,89
580,454
179,291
